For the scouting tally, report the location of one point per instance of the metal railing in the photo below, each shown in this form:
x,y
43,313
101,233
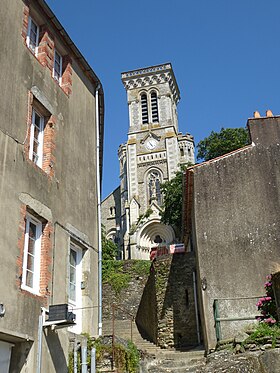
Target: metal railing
x,y
221,316
131,318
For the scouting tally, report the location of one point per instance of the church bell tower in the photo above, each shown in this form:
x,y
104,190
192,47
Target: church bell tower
x,y
153,153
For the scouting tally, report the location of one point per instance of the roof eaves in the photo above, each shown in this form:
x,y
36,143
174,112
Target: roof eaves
x,y
217,159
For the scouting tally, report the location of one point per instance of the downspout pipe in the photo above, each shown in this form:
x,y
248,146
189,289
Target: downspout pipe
x,y
98,211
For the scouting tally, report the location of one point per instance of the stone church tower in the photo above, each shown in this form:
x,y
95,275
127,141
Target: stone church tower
x,y
153,153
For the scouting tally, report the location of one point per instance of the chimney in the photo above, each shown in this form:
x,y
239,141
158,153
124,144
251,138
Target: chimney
x,y
269,113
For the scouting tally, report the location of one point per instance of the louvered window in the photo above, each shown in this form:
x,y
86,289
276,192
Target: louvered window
x,y
144,107
154,107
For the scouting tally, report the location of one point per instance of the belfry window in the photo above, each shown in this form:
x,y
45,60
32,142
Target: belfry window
x,y
154,107
144,108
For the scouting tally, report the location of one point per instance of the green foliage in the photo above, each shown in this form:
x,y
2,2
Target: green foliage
x,y
262,331
141,267
219,143
113,274
109,248
126,359
118,276
141,218
148,213
173,201
133,358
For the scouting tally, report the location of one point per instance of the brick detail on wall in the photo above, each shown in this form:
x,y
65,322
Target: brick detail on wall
x,y
45,53
46,256
49,146
48,141
66,81
25,20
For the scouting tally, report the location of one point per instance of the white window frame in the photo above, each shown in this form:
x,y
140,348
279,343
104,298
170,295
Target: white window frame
x,y
37,255
33,48
76,305
57,75
40,140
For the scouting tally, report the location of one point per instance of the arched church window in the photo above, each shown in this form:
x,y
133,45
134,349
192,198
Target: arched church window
x,y
154,192
154,107
144,108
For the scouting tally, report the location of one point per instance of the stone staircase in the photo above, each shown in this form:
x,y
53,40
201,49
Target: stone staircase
x,y
157,360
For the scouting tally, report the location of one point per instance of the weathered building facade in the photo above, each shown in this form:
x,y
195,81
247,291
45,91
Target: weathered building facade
x,y
153,153
50,111
232,216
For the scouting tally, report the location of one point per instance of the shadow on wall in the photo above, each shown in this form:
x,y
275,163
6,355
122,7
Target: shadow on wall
x,y
56,351
176,302
167,315
19,356
146,317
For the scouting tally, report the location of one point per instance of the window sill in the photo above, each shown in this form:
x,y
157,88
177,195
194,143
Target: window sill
x,y
30,290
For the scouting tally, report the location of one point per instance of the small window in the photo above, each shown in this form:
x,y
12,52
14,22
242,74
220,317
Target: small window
x,y
36,138
31,256
144,108
32,39
182,152
57,67
154,107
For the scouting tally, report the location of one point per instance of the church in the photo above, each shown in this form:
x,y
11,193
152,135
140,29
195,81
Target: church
x,y
153,152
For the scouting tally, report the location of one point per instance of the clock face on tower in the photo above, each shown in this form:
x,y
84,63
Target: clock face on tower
x,y
151,143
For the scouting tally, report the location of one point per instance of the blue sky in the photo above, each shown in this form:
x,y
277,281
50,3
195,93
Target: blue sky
x,y
225,55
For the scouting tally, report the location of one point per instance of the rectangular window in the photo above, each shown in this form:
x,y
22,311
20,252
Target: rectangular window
x,y
57,67
75,282
36,138
31,255
32,38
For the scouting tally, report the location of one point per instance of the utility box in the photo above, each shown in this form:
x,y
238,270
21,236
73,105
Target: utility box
x,y
59,312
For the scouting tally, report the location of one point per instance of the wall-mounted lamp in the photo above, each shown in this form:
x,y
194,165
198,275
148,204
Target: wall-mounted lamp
x,y
204,283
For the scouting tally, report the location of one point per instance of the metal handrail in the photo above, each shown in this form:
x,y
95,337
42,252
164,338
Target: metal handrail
x,y
219,319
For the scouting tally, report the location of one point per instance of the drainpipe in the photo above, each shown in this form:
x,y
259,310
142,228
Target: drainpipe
x,y
98,213
39,351
84,356
196,308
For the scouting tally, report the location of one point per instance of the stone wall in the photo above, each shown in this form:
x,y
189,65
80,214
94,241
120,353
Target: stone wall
x,y
170,292
146,317
128,300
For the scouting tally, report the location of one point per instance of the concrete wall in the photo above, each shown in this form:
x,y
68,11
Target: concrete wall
x,y
67,199
236,222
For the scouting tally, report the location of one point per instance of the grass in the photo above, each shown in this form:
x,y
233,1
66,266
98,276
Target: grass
x,y
262,331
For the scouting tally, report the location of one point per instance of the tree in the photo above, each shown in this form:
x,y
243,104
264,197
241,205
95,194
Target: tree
x,y
219,143
173,201
109,248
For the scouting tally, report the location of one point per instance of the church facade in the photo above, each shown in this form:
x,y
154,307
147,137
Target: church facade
x,y
153,153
